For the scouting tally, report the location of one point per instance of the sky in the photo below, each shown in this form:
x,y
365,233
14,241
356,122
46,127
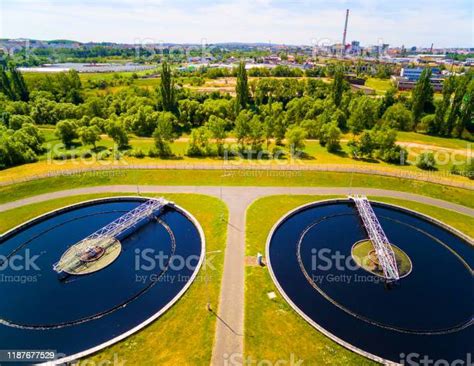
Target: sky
x,y
446,23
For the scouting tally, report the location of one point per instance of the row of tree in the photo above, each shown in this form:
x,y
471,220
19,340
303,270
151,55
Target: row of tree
x,y
262,111
12,84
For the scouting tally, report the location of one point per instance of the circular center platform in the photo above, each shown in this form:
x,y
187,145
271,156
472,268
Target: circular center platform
x,y
364,255
116,290
311,255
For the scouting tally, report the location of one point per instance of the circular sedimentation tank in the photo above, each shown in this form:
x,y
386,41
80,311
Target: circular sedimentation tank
x,y
311,255
116,292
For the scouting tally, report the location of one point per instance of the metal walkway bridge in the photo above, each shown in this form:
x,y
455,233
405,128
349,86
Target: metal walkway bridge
x,y
377,236
109,234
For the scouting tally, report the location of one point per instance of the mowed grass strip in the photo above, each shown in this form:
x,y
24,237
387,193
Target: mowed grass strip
x,y
185,334
235,178
273,330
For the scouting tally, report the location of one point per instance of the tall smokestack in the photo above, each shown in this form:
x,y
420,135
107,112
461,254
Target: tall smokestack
x,y
345,33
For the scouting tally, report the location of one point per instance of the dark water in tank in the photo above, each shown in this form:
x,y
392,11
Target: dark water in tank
x,y
72,314
429,312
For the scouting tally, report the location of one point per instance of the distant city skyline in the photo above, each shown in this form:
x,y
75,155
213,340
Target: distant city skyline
x,y
410,23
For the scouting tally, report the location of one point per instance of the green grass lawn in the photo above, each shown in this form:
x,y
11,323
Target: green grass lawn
x,y
185,334
234,178
314,152
380,85
273,330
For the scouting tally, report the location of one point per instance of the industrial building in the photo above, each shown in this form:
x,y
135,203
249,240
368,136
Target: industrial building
x,y
410,76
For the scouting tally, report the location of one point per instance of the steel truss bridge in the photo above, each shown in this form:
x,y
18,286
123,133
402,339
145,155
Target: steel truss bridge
x,y
109,234
383,249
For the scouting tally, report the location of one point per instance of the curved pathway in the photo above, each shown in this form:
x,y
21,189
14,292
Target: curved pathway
x,y
230,328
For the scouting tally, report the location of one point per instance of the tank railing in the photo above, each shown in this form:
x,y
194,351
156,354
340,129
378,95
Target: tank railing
x,y
383,249
107,235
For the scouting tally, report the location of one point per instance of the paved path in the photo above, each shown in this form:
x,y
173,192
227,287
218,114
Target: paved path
x,y
230,327
244,193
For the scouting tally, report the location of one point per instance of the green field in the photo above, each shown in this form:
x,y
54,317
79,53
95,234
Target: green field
x,y
188,323
234,178
273,330
315,154
379,85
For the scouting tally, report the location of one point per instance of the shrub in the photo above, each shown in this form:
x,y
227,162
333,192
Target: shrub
x,y
153,153
426,161
138,154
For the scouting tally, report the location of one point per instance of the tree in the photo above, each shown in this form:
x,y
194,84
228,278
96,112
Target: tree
x,y
242,87
338,86
398,117
164,134
217,128
242,127
438,125
16,121
43,112
256,133
143,123
297,109
295,138
31,136
116,130
366,145
388,100
89,135
459,92
422,96
19,85
466,110
189,113
19,147
199,142
274,121
5,84
167,91
429,124
469,170
67,131
364,112
386,148
330,136
426,161
382,142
